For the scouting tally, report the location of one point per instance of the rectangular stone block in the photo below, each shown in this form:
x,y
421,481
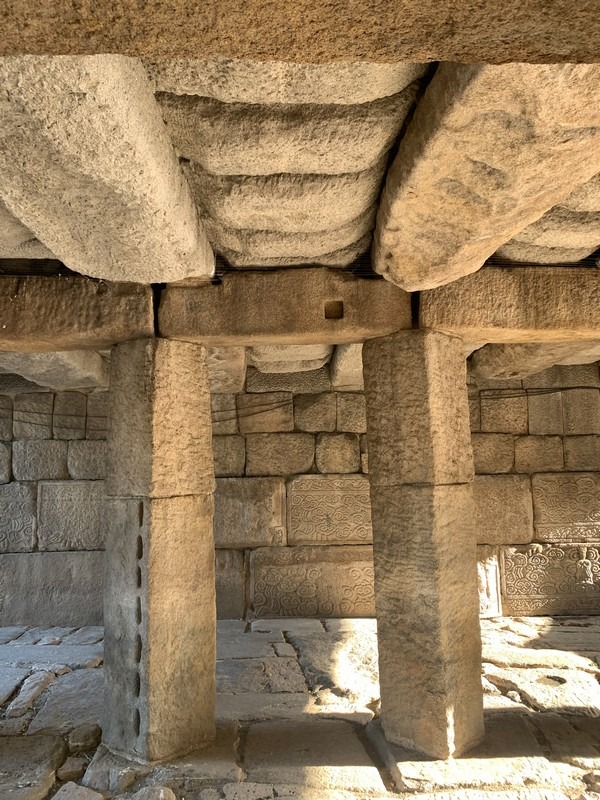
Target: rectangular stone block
x,y
474,408
582,452
565,377
96,425
18,518
32,415
333,509
86,461
502,509
581,411
230,584
5,461
488,580
229,455
310,382
249,512
160,422
351,412
312,582
417,409
270,412
538,453
567,507
315,412
337,452
160,625
493,453
427,602
68,418
40,460
504,411
346,368
547,579
72,515
545,413
51,589
6,418
224,414
279,453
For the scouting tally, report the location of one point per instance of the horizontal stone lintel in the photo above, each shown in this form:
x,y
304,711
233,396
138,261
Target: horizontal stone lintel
x,y
517,304
43,314
303,306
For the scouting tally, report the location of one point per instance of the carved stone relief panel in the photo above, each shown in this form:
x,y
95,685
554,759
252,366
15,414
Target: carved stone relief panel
x,y
332,509
312,582
17,517
560,578
567,507
488,580
71,515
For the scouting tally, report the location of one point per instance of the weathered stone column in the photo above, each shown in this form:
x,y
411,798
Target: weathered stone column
x,y
420,469
159,604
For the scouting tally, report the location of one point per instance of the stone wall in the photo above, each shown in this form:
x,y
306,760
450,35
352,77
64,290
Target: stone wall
x,y
292,517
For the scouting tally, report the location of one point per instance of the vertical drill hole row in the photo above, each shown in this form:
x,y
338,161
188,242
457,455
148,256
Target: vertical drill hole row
x,y
138,619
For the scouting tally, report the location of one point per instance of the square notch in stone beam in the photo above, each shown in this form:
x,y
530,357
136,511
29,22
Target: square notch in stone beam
x,y
334,309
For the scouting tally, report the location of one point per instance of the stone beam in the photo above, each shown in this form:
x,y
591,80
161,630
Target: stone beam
x,y
411,29
506,361
516,305
75,369
307,306
89,168
42,314
471,171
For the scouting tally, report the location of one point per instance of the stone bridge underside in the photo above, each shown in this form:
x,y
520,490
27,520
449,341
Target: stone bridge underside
x,y
222,212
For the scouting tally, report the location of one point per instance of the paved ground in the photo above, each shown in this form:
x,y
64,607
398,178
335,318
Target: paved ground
x,y
297,710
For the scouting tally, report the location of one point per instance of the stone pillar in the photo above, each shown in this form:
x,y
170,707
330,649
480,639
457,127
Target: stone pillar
x,y
159,606
420,471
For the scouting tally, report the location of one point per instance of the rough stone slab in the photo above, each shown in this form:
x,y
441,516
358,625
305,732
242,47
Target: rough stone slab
x,y
72,699
493,453
568,744
329,510
71,515
274,627
230,584
28,765
509,758
11,632
582,452
270,675
32,416
503,655
40,460
565,377
159,445
561,578
17,241
296,382
279,453
427,601
563,227
18,519
567,507
285,357
229,456
312,581
71,791
325,754
30,691
253,308
506,361
243,81
49,656
86,461
346,368
142,224
503,511
249,139
250,512
270,412
90,634
416,433
484,184
539,453
246,645
226,368
77,369
71,313
337,453
488,581
254,706
315,412
520,252
10,680
517,305
51,588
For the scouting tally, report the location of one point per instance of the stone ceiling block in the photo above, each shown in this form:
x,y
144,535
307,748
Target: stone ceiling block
x,y
290,358
308,306
251,139
226,369
337,258
41,314
586,197
75,369
88,166
17,241
561,227
505,361
521,304
534,254
346,368
472,169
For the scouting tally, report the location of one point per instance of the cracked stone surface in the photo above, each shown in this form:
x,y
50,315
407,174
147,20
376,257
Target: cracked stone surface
x,y
297,717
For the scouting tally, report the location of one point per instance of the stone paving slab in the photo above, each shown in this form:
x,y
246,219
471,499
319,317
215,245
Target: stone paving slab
x,y
236,676
28,765
74,657
10,680
7,634
566,690
261,706
243,646
71,700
